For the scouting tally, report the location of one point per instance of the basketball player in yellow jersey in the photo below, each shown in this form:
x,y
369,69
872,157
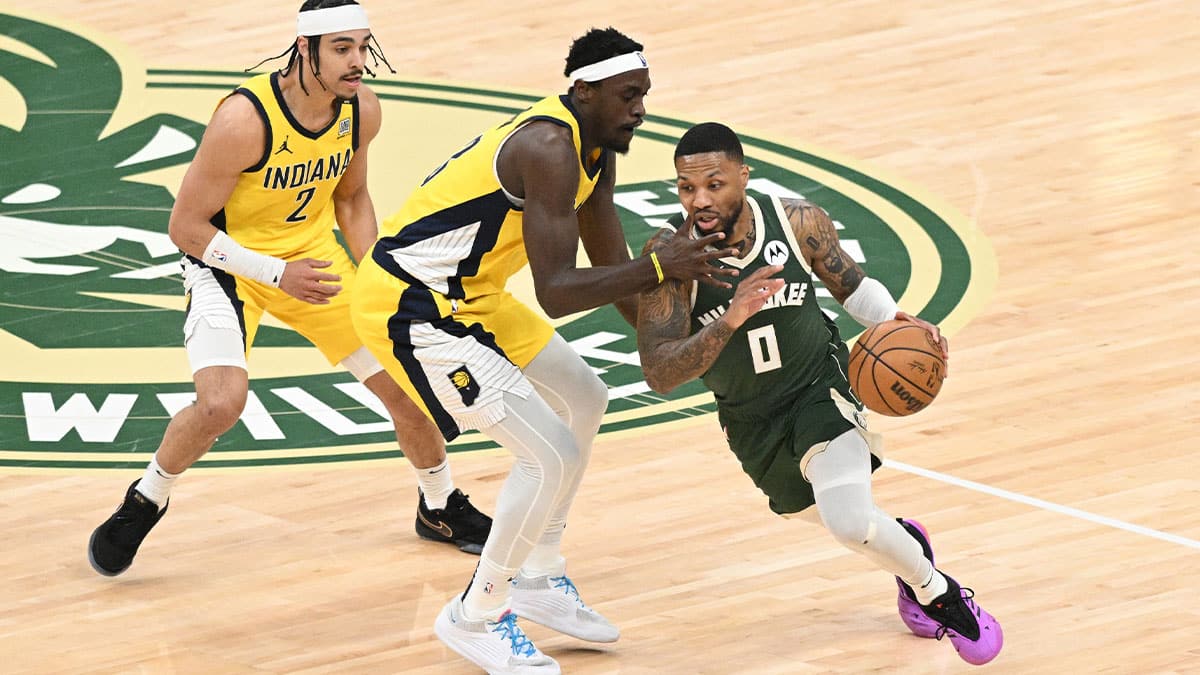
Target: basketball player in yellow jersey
x,y
283,160
431,304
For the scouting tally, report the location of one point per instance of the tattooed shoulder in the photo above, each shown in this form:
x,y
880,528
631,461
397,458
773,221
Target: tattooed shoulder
x,y
811,224
661,237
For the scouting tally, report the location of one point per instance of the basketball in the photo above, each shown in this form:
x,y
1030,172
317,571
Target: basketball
x,y
896,368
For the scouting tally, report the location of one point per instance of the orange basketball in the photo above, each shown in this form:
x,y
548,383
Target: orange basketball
x,y
896,368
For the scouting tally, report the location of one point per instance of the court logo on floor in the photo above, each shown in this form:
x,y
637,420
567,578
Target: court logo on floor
x,y
91,304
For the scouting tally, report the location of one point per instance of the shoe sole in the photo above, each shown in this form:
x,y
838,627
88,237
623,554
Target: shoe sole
x,y
548,622
442,629
463,545
92,558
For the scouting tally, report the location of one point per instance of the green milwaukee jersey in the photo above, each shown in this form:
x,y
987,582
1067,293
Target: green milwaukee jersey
x,y
788,345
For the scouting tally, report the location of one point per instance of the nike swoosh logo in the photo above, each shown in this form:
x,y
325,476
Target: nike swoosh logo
x,y
441,528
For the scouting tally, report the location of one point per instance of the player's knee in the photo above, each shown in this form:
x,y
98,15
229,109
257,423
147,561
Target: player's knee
x,y
218,413
592,397
850,526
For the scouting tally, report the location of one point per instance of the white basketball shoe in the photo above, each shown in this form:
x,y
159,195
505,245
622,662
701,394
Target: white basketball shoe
x,y
553,602
499,647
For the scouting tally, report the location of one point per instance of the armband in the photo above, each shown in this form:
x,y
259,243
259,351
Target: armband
x,y
226,254
871,303
657,266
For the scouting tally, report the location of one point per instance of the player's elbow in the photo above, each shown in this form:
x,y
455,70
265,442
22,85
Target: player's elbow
x,y
554,309
555,303
658,380
177,233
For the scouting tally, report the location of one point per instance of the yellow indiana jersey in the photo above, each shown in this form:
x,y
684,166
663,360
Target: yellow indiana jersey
x,y
283,205
459,233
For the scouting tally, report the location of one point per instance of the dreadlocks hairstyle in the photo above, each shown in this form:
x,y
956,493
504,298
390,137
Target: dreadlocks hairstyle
x,y
314,48
710,137
597,45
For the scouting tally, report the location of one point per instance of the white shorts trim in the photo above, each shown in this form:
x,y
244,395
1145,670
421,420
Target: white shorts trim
x,y
859,419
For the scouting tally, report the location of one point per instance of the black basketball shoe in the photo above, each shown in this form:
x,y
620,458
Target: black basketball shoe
x,y
116,541
460,523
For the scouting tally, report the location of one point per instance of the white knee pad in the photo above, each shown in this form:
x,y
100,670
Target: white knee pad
x,y
362,364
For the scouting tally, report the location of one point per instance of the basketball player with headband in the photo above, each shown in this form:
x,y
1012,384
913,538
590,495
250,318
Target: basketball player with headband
x,y
433,307
283,162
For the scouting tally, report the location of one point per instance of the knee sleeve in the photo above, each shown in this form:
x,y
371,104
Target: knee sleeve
x,y
841,479
847,518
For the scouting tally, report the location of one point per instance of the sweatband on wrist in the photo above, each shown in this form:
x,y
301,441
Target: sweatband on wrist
x,y
871,303
226,254
657,266
609,67
331,20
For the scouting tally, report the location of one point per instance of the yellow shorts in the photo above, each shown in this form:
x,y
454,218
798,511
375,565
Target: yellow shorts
x,y
218,297
454,358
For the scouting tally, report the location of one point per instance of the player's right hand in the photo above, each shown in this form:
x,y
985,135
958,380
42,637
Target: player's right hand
x,y
304,280
687,259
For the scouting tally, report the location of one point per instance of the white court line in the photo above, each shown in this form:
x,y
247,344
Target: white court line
x,y
1042,504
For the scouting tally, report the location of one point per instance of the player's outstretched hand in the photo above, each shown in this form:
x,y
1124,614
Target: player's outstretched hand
x,y
687,259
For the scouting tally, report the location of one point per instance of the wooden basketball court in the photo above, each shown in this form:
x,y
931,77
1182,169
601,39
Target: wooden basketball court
x,y
1056,472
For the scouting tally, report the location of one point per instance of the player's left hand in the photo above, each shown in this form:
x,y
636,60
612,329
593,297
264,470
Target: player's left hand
x,y
934,331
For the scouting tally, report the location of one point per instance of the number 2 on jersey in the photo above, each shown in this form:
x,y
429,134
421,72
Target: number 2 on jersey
x,y
304,198
764,349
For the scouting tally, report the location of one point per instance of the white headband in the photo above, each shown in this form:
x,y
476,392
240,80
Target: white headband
x,y
331,20
609,67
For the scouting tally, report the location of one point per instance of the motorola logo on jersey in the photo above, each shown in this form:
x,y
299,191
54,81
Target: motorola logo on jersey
x,y
775,252
91,302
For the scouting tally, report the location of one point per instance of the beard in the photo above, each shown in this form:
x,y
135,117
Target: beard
x,y
724,225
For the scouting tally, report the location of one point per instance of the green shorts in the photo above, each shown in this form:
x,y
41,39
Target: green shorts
x,y
771,447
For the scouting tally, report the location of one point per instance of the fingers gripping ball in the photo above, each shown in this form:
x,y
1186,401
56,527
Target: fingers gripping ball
x,y
896,368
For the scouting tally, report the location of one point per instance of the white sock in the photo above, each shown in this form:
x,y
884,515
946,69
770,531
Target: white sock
x,y
436,484
934,586
488,595
156,483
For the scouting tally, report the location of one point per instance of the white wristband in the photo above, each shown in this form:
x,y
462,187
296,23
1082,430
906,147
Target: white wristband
x,y
226,254
871,303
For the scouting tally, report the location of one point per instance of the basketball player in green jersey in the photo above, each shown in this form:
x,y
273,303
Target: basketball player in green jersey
x,y
433,306
283,161
777,367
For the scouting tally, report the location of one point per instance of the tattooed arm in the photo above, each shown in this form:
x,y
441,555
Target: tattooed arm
x,y
670,354
819,241
834,267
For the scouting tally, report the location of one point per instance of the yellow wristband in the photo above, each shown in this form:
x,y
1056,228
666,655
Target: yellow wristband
x,y
657,266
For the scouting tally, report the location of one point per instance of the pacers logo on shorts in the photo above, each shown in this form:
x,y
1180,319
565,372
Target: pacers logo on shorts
x,y
466,385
